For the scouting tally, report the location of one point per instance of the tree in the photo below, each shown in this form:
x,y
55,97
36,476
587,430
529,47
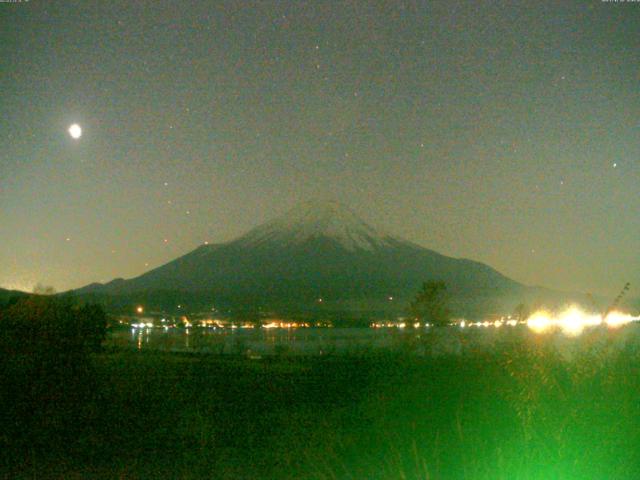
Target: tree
x,y
430,304
40,289
46,372
92,321
521,312
46,327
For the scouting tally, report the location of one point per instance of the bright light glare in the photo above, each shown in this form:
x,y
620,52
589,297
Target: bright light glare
x,y
540,322
573,321
616,319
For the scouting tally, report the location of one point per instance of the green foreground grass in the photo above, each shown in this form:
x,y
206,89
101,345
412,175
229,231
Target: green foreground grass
x,y
520,412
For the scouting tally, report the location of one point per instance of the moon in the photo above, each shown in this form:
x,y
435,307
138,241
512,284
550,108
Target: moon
x,y
75,131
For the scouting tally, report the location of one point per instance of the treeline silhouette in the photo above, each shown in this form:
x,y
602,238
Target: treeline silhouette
x,y
46,372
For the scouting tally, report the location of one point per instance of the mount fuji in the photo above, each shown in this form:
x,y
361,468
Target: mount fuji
x,y
317,253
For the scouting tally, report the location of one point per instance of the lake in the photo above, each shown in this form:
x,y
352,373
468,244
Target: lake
x,y
358,341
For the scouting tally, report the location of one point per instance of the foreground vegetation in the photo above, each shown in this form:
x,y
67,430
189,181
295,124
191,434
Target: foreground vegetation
x,y
520,412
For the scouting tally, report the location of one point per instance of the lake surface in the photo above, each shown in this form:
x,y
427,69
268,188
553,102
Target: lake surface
x,y
358,341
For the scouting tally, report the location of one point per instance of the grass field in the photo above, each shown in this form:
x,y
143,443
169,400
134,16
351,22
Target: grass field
x,y
519,412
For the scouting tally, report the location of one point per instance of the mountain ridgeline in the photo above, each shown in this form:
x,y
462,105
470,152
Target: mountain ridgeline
x,y
318,255
7,295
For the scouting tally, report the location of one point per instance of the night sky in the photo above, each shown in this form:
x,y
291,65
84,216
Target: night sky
x,y
508,133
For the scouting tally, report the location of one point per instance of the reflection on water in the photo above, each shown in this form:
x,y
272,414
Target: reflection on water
x,y
327,341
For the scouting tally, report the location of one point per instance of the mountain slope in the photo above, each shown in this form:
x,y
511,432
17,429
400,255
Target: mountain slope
x,y
6,295
318,250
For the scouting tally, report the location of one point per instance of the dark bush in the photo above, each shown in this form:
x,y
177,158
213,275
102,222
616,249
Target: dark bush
x,y
46,374
48,327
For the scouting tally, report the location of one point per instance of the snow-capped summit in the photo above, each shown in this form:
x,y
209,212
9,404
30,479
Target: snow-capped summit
x,y
315,219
